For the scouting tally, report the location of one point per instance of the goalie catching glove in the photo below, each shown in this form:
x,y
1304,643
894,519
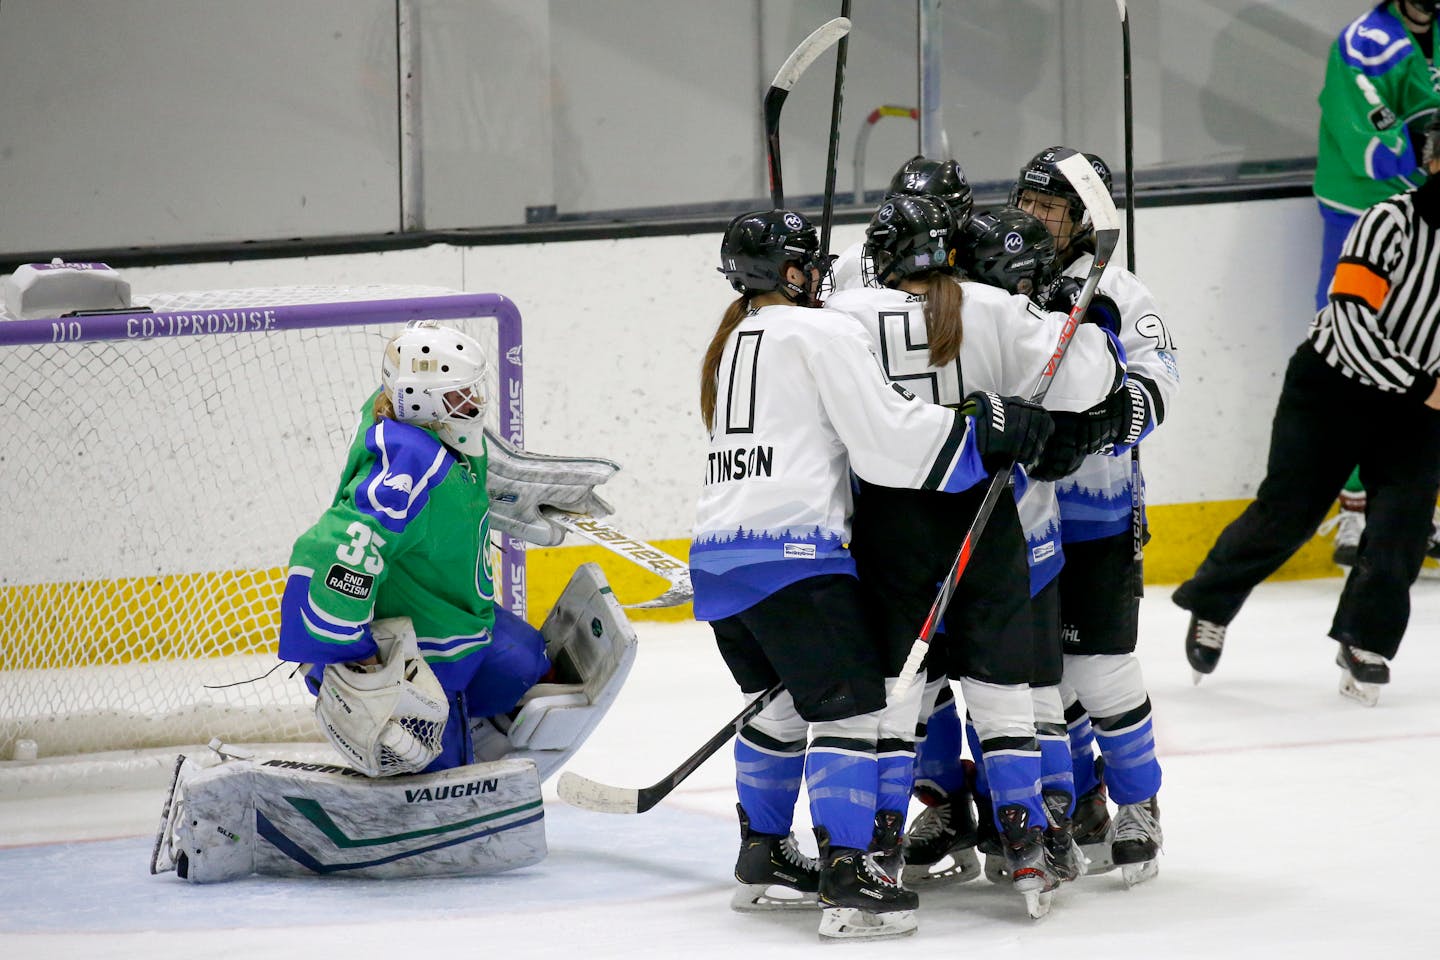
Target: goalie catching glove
x,y
520,483
1114,424
386,718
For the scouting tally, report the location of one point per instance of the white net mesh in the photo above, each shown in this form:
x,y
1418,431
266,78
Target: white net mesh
x,y
153,489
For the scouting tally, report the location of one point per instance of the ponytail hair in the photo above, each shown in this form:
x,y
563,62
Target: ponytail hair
x,y
710,366
943,322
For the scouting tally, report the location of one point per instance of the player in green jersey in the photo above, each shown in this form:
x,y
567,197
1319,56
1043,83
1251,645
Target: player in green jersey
x,y
407,535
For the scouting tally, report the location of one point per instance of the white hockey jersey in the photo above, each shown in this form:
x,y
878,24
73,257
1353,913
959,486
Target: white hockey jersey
x,y
1008,342
847,271
1095,501
801,402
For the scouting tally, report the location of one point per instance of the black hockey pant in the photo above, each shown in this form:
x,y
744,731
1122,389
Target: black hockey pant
x,y
1325,425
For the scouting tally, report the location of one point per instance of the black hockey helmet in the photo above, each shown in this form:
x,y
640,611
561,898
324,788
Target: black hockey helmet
x,y
943,179
1042,174
758,245
910,235
1008,248
1423,7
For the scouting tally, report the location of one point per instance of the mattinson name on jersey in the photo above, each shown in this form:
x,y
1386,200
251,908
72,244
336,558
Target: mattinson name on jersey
x,y
739,463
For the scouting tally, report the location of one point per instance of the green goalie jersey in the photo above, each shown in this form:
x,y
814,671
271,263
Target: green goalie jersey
x,y
1377,81
406,535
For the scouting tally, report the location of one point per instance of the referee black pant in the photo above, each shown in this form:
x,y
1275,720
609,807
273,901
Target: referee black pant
x,y
1325,425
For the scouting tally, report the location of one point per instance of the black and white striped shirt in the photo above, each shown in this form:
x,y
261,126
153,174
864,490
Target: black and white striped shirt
x,y
1382,323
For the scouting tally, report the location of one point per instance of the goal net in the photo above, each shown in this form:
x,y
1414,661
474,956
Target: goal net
x,y
157,468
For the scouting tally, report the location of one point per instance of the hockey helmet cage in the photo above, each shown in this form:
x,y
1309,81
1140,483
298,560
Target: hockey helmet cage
x,y
1006,247
1042,174
908,236
944,179
436,377
758,245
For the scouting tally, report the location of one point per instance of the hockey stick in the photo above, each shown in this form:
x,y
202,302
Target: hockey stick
x,y
588,794
638,552
800,58
1107,234
832,158
1137,495
1129,139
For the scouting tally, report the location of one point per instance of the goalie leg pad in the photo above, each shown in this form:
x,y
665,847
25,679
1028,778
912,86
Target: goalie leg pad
x,y
591,644
286,818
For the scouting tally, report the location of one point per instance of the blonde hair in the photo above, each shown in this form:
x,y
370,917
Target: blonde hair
x,y
383,409
710,366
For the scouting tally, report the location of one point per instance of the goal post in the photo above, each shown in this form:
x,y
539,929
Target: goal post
x,y
158,464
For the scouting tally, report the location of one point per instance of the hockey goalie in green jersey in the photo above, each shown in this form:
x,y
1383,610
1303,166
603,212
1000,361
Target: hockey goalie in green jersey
x,y
407,535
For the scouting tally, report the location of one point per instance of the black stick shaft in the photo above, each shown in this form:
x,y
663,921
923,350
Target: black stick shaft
x,y
832,157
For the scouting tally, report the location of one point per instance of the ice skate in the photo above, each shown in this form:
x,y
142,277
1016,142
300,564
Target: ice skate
x,y
1362,674
1030,873
988,841
1203,644
1092,830
940,844
858,900
773,873
1347,525
1138,841
1431,568
1062,854
887,842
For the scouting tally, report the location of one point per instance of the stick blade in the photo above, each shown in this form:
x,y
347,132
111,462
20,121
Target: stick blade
x,y
1091,188
820,40
586,794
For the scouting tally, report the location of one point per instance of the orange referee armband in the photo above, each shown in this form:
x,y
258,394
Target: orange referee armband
x,y
1359,282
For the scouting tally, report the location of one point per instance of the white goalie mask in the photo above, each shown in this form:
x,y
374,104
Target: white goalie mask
x,y
435,377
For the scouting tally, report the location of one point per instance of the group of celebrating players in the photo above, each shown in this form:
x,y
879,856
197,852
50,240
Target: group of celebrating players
x,y
870,404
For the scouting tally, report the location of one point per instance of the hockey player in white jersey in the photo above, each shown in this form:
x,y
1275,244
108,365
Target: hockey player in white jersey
x,y
795,400
1106,700
917,177
1011,249
949,342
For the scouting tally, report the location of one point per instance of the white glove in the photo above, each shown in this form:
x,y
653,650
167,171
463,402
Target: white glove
x,y
520,483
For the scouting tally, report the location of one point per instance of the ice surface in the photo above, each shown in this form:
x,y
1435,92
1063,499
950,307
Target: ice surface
x,y
1297,823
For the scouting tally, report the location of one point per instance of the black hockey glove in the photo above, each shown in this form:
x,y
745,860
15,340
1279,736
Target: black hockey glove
x,y
1116,420
1062,292
1007,428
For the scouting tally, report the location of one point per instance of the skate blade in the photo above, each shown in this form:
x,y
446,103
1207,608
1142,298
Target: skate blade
x,y
996,869
851,923
1366,693
957,866
1137,873
767,898
1196,676
1097,858
1038,902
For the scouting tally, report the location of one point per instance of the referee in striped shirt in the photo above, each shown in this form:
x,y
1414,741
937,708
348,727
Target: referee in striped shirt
x,y
1361,390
